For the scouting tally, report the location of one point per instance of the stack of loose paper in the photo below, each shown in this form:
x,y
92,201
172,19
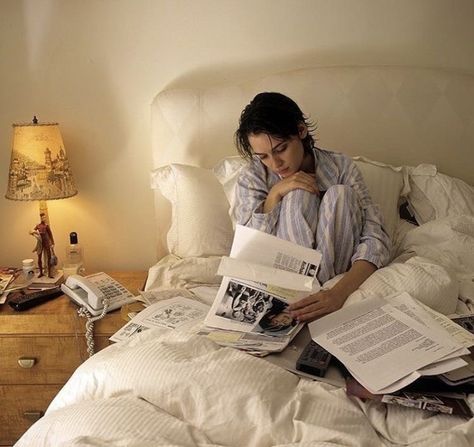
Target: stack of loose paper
x,y
388,343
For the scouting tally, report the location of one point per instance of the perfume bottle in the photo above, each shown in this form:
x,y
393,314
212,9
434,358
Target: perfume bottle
x,y
74,262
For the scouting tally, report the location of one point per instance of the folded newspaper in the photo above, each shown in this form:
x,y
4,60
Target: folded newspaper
x,y
388,343
262,276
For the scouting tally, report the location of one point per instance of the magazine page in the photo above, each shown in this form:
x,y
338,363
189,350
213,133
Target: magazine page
x,y
250,271
175,313
260,278
370,338
251,307
438,402
261,248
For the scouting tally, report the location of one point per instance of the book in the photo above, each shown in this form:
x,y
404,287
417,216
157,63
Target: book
x,y
261,277
45,282
386,344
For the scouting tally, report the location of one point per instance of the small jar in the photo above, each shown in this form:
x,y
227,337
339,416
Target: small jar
x,y
28,267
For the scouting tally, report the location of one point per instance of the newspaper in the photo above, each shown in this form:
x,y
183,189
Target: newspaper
x,y
373,336
262,276
175,313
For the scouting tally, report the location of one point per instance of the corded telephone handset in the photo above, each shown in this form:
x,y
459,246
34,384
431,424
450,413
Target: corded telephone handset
x,y
91,291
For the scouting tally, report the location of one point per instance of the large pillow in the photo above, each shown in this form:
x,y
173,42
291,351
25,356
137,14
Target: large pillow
x,y
386,184
200,222
434,195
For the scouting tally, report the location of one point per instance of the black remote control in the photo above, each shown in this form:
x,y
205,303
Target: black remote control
x,y
22,300
314,360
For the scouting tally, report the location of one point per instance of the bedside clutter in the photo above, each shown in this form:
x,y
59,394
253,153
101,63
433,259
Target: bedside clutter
x,y
41,347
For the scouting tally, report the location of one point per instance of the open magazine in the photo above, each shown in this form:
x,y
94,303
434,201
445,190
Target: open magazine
x,y
262,276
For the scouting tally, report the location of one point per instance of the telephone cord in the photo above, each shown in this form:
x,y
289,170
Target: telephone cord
x,y
83,312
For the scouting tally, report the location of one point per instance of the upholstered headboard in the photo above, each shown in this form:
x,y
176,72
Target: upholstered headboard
x,y
396,115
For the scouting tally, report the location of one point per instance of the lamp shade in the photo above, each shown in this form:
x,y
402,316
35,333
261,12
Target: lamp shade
x,y
39,168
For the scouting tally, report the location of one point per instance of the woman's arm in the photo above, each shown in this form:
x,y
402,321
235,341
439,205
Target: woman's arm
x,y
328,300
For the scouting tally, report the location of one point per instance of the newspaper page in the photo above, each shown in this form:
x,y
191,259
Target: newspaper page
x,y
261,248
260,278
174,313
370,338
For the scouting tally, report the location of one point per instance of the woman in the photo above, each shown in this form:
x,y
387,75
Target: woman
x,y
312,197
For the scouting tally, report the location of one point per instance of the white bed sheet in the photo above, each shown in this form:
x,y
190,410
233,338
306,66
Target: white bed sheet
x,y
169,388
164,387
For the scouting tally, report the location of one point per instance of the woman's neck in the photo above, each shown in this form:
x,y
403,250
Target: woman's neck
x,y
308,163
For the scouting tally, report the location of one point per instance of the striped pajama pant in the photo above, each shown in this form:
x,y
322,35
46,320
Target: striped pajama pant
x,y
332,225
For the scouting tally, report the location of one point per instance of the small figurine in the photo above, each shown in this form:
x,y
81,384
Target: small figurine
x,y
44,246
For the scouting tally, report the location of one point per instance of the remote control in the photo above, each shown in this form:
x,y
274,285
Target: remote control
x,y
22,300
314,359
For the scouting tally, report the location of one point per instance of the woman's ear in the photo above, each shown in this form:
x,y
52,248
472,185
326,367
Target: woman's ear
x,y
302,130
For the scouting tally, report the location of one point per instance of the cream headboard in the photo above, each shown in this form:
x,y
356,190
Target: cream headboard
x,y
397,115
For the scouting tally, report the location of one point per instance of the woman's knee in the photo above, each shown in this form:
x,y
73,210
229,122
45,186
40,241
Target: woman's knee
x,y
340,192
340,199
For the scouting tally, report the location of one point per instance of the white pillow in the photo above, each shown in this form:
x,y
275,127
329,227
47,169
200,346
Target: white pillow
x,y
434,195
386,184
200,223
227,172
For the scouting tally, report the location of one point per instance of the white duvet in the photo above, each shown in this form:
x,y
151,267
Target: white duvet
x,y
166,388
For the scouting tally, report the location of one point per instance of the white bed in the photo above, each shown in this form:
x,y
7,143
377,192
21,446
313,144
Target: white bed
x,y
164,387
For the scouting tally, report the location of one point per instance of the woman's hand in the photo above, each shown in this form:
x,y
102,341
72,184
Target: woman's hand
x,y
317,305
328,300
298,180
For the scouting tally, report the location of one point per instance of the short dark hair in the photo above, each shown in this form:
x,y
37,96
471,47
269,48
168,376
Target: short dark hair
x,y
266,322
274,114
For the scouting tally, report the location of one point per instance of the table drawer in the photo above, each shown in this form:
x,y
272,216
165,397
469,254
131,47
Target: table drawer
x,y
39,360
21,406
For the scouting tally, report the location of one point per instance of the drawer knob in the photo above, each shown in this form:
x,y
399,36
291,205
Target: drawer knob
x,y
27,362
32,416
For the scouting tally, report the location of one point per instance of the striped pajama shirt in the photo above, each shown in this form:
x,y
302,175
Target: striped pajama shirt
x,y
342,223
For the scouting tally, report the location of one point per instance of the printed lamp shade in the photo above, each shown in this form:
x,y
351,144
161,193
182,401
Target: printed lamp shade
x,y
39,168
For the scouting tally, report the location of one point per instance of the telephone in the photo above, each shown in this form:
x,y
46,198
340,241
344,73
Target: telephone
x,y
90,292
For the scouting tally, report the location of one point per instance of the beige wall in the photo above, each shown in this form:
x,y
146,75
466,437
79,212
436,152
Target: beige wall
x,y
95,65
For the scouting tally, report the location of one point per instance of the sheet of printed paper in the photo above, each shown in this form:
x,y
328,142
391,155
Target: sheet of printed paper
x,y
153,296
251,271
175,313
370,338
257,247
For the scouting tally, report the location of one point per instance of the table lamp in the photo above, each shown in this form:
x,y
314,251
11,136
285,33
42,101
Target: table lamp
x,y
39,168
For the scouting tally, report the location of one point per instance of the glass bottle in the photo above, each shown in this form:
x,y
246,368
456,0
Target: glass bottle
x,y
74,262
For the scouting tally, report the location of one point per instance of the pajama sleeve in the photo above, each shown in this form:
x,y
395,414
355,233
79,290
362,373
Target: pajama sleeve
x,y
250,194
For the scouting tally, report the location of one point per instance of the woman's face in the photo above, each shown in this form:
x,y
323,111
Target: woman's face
x,y
282,319
283,157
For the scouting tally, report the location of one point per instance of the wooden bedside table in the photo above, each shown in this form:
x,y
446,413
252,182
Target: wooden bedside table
x,y
40,348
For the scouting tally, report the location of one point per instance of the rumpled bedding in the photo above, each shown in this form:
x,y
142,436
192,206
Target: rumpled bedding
x,y
164,387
